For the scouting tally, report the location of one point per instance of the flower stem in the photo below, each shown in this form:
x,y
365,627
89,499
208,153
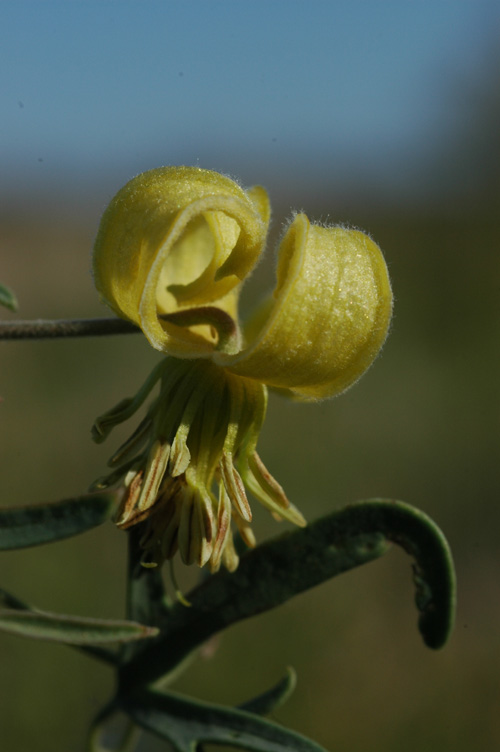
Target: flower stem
x,y
57,328
52,329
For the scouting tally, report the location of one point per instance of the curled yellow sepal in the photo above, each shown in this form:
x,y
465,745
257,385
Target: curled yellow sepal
x,y
328,316
175,238
178,239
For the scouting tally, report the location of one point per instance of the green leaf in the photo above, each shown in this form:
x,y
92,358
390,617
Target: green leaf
x,y
266,577
279,569
9,601
8,298
433,570
187,723
21,527
273,698
71,630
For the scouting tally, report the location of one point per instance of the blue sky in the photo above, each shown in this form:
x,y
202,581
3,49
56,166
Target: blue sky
x,y
93,92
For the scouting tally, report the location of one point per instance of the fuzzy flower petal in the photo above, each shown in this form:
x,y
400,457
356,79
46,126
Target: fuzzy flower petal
x,y
328,317
172,251
174,238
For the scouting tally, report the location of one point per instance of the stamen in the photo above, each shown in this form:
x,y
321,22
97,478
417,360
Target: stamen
x,y
185,524
207,438
259,485
203,423
133,443
238,425
203,529
223,528
245,531
269,484
125,516
104,424
160,538
230,558
180,455
105,481
172,409
234,487
153,475
126,408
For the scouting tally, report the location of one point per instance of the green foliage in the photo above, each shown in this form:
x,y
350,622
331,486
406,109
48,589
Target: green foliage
x,y
186,724
71,630
8,298
21,527
160,634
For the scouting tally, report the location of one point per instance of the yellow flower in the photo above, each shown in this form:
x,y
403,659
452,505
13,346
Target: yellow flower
x,y
173,249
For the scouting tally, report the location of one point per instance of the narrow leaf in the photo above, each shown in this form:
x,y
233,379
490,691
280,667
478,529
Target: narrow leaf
x,y
187,723
8,298
21,527
71,630
433,570
279,569
9,601
273,698
266,577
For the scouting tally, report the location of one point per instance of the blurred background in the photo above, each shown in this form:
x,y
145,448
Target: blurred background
x,y
385,116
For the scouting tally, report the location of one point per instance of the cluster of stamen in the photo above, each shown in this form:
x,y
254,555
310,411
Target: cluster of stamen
x,y
188,464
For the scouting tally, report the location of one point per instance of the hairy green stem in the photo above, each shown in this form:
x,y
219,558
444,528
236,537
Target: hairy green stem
x,y
58,328
62,328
